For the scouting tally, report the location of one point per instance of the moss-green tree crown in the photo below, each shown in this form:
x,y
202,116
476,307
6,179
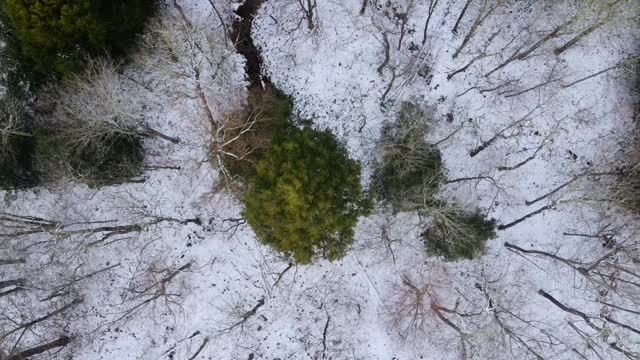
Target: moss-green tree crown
x,y
306,196
52,36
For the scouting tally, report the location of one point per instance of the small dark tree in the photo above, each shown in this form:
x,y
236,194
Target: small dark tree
x,y
16,145
54,35
104,160
411,170
306,196
625,192
457,234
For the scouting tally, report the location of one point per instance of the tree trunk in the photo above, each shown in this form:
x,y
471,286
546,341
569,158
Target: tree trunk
x,y
521,55
310,5
155,133
432,8
482,15
464,10
14,282
11,261
45,317
573,41
364,6
531,214
23,355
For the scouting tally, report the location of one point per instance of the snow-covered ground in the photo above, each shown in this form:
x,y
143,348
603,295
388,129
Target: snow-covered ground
x,y
341,310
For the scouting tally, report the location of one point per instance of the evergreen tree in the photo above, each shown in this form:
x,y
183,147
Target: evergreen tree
x,y
411,171
96,161
305,197
54,35
457,234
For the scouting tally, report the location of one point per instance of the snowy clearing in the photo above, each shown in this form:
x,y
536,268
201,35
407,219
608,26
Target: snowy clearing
x,y
168,268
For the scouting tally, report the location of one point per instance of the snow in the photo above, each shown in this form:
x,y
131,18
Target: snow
x,y
332,75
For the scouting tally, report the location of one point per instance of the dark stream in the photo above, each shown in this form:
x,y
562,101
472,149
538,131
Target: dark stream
x,y
244,43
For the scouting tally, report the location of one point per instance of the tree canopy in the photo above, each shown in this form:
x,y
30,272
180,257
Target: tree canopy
x,y
306,196
457,234
54,35
411,171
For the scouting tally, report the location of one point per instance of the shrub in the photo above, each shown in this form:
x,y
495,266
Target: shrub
x,y
16,146
411,170
97,160
54,35
457,234
306,196
626,192
245,136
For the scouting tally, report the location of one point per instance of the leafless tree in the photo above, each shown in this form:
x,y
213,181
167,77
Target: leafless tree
x,y
153,287
611,272
190,56
604,12
462,12
515,125
96,103
416,310
330,300
12,124
242,135
432,8
299,12
601,325
487,7
309,8
39,349
524,50
604,268
483,53
625,192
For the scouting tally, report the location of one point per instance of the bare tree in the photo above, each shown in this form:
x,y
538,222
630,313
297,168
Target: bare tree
x,y
188,54
610,272
487,7
483,53
432,8
415,310
462,12
95,104
39,349
12,125
309,8
516,124
522,51
605,12
597,324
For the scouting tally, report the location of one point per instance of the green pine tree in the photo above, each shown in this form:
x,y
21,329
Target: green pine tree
x,y
52,36
306,197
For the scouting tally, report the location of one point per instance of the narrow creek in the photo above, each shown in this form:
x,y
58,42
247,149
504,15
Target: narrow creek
x,y
244,44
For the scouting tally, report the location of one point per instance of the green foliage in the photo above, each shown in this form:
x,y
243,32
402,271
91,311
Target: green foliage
x,y
409,179
305,197
457,234
268,112
411,171
53,36
102,160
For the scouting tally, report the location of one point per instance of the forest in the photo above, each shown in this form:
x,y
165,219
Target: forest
x,y
320,179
